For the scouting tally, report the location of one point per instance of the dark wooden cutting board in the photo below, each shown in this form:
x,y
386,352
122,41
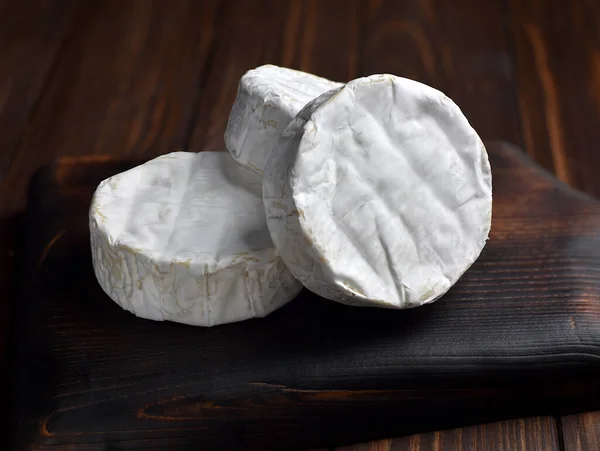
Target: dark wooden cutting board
x,y
518,335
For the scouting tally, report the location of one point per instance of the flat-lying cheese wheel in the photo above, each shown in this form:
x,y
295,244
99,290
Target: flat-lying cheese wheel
x,y
379,194
183,238
268,98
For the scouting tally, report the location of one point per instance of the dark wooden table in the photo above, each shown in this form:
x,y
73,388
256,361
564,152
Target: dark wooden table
x,y
142,78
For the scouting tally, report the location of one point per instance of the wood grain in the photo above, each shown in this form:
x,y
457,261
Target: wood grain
x,y
581,432
324,38
558,59
31,36
527,434
124,84
458,47
249,33
518,335
321,37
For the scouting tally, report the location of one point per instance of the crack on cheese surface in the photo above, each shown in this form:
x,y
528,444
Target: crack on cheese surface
x,y
267,99
183,238
393,191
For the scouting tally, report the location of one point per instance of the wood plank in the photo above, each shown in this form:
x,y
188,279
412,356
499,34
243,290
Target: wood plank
x,y
124,84
581,432
459,47
31,35
91,374
309,35
528,434
558,61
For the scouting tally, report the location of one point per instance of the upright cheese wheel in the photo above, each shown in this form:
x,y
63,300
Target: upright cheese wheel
x,y
267,100
183,238
379,194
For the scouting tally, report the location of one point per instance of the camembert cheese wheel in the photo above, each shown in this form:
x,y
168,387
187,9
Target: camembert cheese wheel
x,y
379,194
183,238
268,98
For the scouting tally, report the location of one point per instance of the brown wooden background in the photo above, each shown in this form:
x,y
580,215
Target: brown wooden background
x,y
142,78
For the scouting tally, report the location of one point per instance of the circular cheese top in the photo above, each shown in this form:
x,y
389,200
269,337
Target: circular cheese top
x,y
183,237
184,205
379,193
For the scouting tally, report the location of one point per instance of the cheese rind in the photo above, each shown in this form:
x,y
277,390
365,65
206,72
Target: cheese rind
x,y
183,238
268,98
379,194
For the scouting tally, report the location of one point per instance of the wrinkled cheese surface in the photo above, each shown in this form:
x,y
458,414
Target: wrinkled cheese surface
x,y
268,98
379,194
183,238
